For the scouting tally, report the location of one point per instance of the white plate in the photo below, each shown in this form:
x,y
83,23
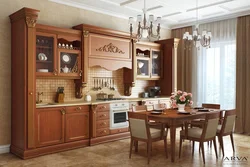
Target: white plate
x,y
42,57
42,70
66,58
183,112
156,113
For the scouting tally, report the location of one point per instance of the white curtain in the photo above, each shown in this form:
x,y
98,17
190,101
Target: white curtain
x,y
214,69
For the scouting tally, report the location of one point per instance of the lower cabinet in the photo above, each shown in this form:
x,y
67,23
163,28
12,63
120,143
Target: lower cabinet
x,y
77,123
61,124
50,126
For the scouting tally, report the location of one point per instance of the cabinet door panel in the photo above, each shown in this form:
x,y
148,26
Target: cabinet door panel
x,y
50,126
77,126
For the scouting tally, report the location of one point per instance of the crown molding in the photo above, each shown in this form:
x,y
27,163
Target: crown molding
x,y
209,20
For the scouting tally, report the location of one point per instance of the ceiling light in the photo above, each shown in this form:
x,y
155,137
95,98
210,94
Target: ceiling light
x,y
144,27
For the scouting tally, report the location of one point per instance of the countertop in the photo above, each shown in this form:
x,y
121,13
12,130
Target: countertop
x,y
81,102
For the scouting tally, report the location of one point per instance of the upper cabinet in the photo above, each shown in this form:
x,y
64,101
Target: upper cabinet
x,y
58,52
148,61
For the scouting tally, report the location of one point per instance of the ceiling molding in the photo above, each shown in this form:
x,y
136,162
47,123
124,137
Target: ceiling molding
x,y
209,5
208,20
127,2
153,8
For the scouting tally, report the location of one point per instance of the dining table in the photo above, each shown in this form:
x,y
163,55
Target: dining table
x,y
173,118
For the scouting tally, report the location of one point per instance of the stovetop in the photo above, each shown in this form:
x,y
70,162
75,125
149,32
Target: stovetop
x,y
110,99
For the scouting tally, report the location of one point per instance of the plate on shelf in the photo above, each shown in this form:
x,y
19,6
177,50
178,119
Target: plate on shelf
x,y
42,70
66,58
42,57
183,112
156,112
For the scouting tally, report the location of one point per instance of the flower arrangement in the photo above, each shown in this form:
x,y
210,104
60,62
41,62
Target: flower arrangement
x,y
181,97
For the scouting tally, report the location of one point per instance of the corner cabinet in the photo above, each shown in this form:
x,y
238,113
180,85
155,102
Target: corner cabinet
x,y
148,60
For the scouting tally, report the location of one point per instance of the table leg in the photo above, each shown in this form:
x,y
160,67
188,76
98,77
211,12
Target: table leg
x,y
172,140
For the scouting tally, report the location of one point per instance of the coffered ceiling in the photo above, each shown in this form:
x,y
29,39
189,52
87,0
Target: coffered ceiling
x,y
174,13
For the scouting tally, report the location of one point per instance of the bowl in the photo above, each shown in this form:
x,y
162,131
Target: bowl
x,y
42,70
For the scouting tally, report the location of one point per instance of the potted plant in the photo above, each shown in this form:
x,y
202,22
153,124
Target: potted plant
x,y
180,99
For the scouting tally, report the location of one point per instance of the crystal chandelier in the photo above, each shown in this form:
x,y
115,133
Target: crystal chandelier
x,y
144,27
198,40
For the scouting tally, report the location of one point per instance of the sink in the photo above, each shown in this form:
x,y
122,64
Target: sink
x,y
45,104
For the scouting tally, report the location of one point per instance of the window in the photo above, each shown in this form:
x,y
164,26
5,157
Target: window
x,y
216,78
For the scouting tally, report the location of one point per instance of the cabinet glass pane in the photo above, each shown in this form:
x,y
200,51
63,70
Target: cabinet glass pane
x,y
156,63
142,67
44,54
68,62
142,53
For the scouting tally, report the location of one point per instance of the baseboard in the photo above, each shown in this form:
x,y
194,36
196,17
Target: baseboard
x,y
4,149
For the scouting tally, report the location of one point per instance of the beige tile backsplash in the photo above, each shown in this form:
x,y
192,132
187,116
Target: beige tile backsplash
x,y
49,86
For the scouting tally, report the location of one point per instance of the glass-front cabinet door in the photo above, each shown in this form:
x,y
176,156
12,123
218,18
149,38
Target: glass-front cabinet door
x,y
45,54
156,64
143,62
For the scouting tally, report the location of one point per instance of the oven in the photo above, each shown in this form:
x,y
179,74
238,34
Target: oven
x,y
119,115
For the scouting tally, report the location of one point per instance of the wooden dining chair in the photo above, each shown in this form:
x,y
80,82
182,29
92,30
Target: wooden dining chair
x,y
140,130
200,122
201,135
226,128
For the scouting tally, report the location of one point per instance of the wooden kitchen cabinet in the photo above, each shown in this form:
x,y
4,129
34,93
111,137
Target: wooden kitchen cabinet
x,y
148,59
76,123
58,52
49,126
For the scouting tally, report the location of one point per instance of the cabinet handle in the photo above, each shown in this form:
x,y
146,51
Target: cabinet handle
x,y
104,123
103,107
31,93
103,115
63,111
119,130
104,131
55,72
78,108
80,73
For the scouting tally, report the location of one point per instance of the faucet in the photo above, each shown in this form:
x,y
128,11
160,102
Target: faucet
x,y
38,97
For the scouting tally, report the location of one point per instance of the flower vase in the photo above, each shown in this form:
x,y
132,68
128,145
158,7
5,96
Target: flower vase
x,y
181,107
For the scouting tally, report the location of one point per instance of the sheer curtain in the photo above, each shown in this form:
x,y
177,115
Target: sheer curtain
x,y
214,78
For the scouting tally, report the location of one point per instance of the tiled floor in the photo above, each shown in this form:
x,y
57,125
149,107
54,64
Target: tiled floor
x,y
115,154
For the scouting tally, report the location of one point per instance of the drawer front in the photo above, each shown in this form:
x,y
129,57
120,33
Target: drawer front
x,y
102,124
76,109
102,107
102,132
121,130
102,115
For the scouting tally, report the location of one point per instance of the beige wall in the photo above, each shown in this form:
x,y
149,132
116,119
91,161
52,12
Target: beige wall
x,y
51,14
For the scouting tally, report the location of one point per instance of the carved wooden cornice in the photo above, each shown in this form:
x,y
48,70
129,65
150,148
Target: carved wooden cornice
x,y
110,48
85,33
30,21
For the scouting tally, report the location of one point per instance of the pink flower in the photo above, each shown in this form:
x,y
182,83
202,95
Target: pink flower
x,y
190,94
174,105
191,102
179,92
172,97
182,98
184,94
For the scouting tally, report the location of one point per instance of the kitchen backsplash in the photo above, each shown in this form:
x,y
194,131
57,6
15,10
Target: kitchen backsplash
x,y
49,86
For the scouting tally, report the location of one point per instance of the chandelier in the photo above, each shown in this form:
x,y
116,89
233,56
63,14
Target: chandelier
x,y
144,27
198,40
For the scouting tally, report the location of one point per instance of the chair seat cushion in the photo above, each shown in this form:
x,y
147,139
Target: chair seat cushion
x,y
155,133
192,132
218,129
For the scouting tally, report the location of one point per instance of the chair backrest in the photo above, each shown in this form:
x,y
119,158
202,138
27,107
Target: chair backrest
x,y
211,124
228,122
159,106
139,108
213,106
138,125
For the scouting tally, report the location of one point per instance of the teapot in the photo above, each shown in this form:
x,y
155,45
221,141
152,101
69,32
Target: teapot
x,y
65,69
87,97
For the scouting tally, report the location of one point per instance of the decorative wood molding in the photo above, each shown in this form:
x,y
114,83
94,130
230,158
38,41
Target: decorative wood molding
x,y
30,21
110,48
85,33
